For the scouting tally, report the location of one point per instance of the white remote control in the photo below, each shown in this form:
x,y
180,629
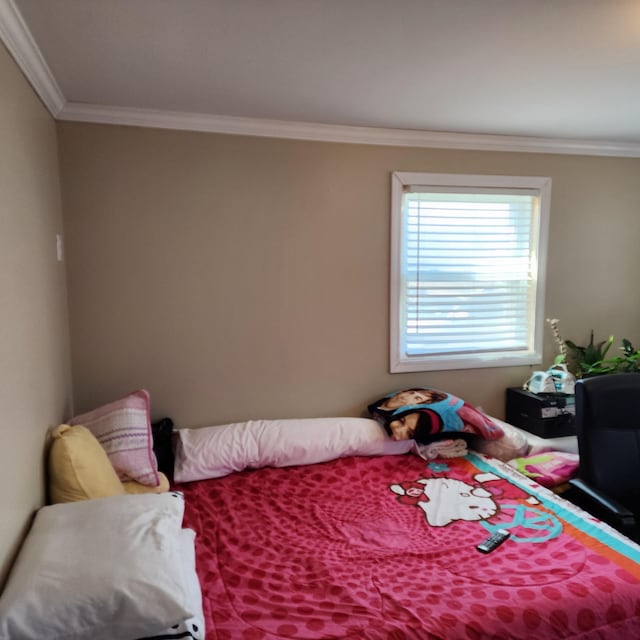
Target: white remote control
x,y
493,541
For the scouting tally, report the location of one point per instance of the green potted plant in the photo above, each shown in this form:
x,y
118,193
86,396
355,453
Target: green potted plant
x,y
585,361
591,360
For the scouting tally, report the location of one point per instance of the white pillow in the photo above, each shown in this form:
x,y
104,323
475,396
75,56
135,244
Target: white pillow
x,y
212,452
192,628
99,569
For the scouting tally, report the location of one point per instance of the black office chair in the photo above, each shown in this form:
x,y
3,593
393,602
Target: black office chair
x,y
608,429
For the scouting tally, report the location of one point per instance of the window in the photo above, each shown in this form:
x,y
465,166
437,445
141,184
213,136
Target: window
x,y
467,270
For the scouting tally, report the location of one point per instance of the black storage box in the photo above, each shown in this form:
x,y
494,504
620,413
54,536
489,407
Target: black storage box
x,y
548,415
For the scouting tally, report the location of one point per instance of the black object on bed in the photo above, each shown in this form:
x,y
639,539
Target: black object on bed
x,y
162,431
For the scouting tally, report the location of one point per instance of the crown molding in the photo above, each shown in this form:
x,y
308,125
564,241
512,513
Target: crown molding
x,y
21,45
78,112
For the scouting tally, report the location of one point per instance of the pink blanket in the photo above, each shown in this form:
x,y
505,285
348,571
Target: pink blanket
x,y
385,548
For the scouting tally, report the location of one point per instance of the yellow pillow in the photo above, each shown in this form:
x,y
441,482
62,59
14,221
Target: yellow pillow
x,y
131,486
79,468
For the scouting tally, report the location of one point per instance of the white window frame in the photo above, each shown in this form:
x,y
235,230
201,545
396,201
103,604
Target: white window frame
x,y
400,361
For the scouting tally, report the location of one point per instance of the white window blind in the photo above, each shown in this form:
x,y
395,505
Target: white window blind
x,y
467,282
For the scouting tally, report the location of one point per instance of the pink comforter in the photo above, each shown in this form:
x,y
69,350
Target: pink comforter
x,y
384,548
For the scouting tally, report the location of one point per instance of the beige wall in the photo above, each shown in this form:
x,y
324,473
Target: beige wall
x,y
239,277
34,346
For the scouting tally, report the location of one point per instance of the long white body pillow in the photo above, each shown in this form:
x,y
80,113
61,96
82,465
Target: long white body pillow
x,y
212,452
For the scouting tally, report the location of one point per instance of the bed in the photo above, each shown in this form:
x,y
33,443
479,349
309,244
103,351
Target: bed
x,y
385,547
312,529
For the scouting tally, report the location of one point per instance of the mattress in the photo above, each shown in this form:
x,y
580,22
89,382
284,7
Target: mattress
x,y
385,548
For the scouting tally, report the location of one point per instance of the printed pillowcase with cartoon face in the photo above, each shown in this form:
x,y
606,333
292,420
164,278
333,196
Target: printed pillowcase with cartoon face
x,y
425,415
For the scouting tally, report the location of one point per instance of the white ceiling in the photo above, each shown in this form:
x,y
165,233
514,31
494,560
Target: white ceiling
x,y
566,72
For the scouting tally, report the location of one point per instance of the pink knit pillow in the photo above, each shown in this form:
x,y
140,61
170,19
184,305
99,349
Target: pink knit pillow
x,y
123,428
